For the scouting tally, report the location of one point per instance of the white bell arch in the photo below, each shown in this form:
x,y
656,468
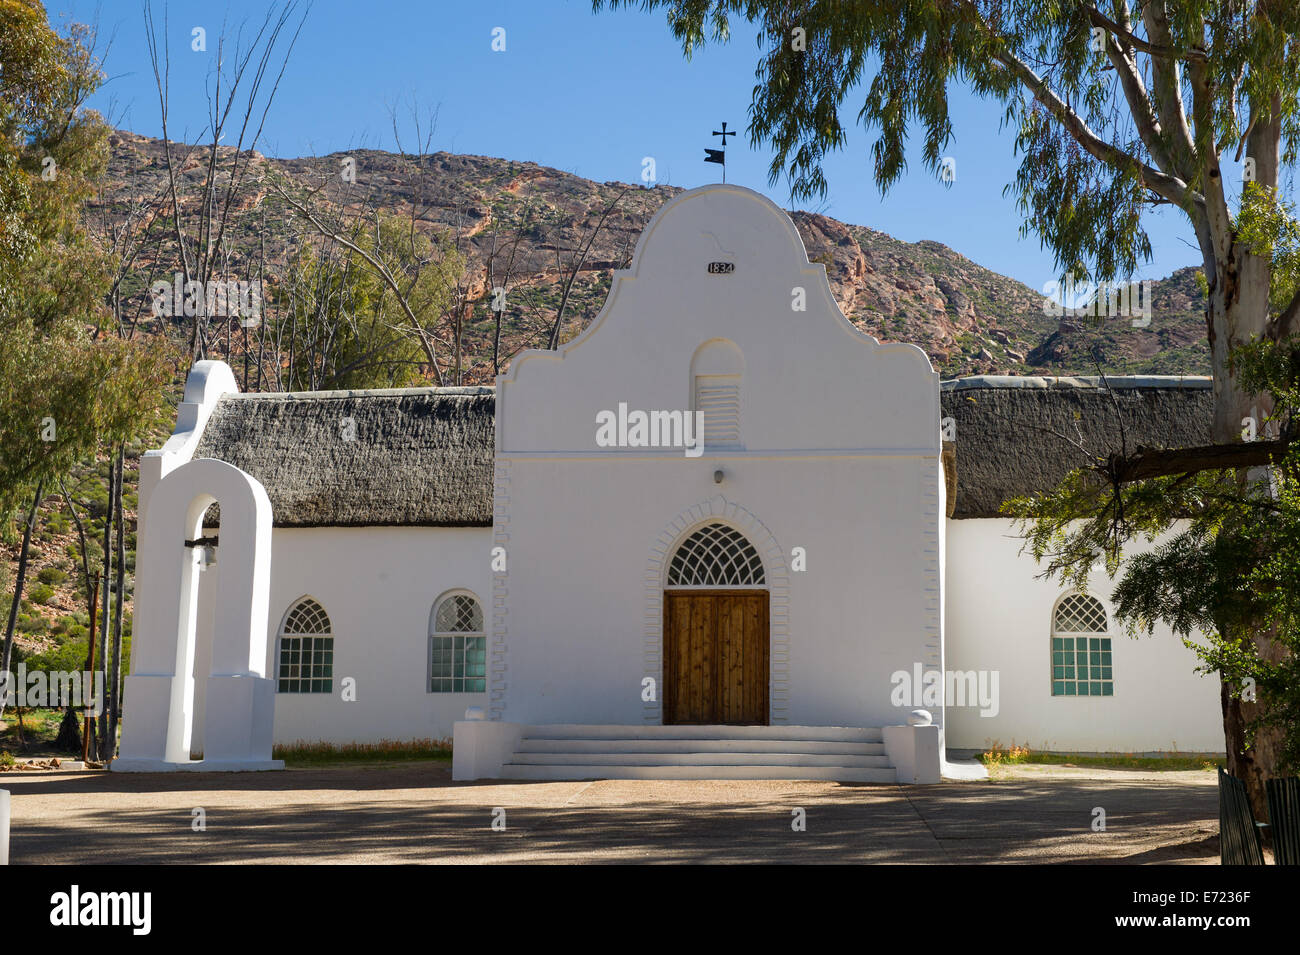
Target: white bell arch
x,y
239,713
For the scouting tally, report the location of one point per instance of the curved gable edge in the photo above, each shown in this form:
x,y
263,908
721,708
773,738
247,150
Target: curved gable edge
x,y
798,251
820,284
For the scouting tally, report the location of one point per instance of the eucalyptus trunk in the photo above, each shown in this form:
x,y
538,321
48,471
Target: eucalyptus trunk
x,y
101,725
1236,312
114,682
19,580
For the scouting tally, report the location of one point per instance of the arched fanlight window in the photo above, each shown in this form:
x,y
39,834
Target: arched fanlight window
x,y
306,650
716,555
1081,648
457,646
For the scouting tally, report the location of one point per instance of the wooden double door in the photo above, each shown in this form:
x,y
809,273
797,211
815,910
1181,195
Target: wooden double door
x,y
716,657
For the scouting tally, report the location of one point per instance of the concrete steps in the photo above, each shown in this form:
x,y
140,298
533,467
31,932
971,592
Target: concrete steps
x,y
665,746
698,759
611,731
574,751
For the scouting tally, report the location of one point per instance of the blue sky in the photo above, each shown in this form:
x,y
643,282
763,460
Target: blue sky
x,y
589,94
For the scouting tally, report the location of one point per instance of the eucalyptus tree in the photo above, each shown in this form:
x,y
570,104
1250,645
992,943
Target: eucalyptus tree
x,y
64,386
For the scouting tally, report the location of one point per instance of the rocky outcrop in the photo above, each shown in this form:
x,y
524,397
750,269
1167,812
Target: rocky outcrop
x,y
969,319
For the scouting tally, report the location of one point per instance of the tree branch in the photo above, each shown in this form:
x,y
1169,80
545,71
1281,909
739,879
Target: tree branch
x,y
1099,19
1171,187
1155,462
1285,325
380,269
1167,87
1135,93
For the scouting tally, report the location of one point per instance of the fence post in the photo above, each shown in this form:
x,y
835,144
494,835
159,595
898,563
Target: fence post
x,y
4,827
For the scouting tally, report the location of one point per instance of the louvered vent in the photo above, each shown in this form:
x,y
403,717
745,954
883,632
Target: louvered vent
x,y
718,396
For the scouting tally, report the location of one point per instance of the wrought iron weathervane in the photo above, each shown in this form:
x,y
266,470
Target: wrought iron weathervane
x,y
719,156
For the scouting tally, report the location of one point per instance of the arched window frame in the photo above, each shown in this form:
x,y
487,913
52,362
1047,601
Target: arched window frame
x,y
457,658
751,572
1082,661
297,649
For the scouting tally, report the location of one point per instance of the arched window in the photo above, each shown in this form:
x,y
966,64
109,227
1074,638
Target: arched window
x,y
716,555
306,650
457,646
1081,660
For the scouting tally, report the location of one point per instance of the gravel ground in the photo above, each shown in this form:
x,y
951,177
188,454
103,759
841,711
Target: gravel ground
x,y
414,813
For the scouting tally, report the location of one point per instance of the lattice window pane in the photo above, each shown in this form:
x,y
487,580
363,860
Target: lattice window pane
x,y
716,556
457,664
308,618
1081,666
306,650
1080,613
458,647
306,665
459,613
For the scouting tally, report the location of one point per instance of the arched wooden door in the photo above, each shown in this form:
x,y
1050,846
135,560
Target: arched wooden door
x,y
716,631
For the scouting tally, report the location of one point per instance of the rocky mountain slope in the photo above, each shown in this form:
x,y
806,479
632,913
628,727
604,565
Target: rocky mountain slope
x,y
969,319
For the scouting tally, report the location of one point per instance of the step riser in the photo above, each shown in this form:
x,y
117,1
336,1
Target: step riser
x,y
826,734
827,773
698,759
571,751
568,745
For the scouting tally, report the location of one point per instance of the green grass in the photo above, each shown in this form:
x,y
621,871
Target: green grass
x,y
1123,761
1020,755
305,754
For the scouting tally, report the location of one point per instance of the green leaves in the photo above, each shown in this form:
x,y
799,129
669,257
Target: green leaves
x,y
64,386
1107,123
344,326
61,394
1267,226
1224,558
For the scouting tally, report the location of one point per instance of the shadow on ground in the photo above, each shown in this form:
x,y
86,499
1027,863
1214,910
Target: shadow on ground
x,y
414,813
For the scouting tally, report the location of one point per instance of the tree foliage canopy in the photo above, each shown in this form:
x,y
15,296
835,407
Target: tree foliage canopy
x,y
64,384
344,326
1224,552
1115,106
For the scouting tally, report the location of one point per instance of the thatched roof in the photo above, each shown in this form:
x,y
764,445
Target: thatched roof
x,y
424,456
1015,436
418,456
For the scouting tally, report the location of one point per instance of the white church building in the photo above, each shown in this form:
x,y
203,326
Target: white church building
x,y
718,535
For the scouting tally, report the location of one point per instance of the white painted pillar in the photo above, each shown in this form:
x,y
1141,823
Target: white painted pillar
x,y
4,827
240,706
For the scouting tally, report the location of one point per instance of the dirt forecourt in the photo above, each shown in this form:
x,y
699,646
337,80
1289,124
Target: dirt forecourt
x,y
414,813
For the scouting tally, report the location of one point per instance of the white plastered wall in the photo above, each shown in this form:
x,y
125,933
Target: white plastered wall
x,y
378,585
999,618
840,457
